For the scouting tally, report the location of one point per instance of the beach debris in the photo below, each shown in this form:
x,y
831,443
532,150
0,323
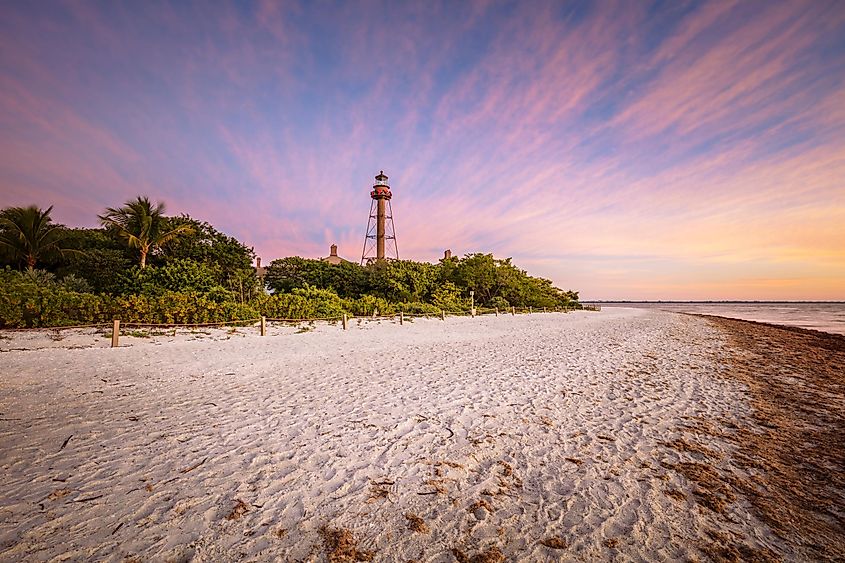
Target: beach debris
x,y
88,499
451,433
191,468
545,420
416,524
280,532
439,464
711,491
437,485
492,555
480,509
58,493
675,494
507,470
342,547
726,548
575,460
119,526
238,511
555,543
509,479
65,442
611,543
379,490
682,445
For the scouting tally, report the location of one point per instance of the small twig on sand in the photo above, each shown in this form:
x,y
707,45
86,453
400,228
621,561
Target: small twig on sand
x,y
119,526
191,468
88,499
65,442
451,434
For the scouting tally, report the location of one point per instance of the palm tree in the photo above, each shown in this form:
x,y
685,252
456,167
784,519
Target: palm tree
x,y
141,223
29,233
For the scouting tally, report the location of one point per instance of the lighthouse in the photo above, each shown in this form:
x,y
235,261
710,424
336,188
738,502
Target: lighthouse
x,y
380,240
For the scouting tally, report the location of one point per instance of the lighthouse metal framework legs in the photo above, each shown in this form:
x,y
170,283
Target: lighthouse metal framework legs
x,y
380,240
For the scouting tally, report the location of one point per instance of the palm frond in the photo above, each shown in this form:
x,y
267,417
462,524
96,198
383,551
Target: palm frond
x,y
140,223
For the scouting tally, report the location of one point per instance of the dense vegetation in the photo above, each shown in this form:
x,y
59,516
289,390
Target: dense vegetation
x,y
145,267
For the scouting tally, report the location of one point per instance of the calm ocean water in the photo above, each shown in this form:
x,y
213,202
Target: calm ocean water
x,y
828,317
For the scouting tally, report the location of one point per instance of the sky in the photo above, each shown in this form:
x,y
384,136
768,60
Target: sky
x,y
626,150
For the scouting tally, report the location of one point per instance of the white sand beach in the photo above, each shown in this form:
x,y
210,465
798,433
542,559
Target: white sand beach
x,y
539,437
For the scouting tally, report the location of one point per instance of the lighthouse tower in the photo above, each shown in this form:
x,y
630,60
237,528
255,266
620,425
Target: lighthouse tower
x,y
381,235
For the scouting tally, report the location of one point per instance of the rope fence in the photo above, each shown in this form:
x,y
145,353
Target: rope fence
x,y
117,325
189,325
99,325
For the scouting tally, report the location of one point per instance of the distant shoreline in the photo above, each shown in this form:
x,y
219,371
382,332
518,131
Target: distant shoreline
x,y
589,301
824,316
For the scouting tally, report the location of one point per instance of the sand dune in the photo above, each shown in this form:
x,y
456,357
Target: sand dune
x,y
576,436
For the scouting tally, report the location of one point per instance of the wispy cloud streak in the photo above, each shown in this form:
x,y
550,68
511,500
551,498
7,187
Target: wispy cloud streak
x,y
627,150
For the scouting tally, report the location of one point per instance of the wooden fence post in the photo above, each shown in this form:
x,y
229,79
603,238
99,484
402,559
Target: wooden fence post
x,y
472,312
497,311
401,318
544,310
530,310
115,333
263,326
513,311
344,321
442,315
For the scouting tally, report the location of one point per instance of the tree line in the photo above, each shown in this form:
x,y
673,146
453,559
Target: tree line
x,y
144,266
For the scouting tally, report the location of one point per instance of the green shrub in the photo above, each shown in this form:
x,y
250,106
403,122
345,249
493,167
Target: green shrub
x,y
180,308
25,304
302,303
417,308
499,303
41,278
366,305
324,302
448,297
284,306
183,276
72,282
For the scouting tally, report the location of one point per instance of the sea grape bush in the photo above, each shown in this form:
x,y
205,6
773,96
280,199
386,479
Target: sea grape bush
x,y
27,304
